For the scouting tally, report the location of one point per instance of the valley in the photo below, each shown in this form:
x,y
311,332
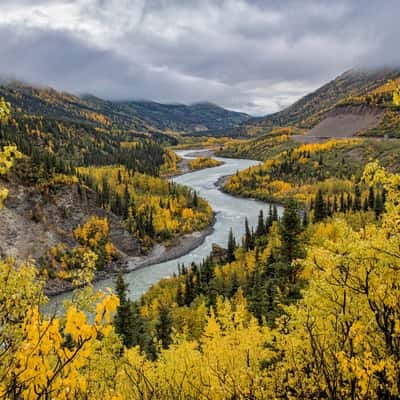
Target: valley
x,y
229,213
169,251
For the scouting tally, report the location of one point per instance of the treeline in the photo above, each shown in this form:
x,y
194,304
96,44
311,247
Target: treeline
x,y
324,206
60,146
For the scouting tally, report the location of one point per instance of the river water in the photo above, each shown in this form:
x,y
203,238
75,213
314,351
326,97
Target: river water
x,y
230,213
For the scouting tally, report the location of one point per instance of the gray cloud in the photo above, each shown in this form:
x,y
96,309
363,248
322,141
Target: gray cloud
x,y
255,56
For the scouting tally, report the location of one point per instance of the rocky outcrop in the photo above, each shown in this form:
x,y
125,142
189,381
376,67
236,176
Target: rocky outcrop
x,y
218,254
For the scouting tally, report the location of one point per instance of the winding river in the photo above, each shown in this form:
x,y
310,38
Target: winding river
x,y
230,213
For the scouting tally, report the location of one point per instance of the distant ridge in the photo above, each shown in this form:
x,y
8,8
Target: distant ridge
x,y
140,116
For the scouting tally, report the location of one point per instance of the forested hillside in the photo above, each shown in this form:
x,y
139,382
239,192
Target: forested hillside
x,y
200,117
137,117
70,174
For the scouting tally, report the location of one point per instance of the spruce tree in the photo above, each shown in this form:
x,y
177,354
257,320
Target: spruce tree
x,y
123,320
231,246
319,207
268,220
371,198
164,326
305,221
247,235
365,205
189,290
126,202
335,204
180,299
235,285
342,204
275,213
357,198
378,205
291,229
195,199
260,231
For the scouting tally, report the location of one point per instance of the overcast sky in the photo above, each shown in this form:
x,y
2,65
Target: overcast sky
x,y
254,56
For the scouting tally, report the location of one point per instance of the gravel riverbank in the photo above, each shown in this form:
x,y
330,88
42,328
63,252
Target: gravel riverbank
x,y
160,253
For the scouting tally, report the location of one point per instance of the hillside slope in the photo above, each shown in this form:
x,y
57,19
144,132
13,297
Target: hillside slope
x,y
177,117
136,116
41,214
352,83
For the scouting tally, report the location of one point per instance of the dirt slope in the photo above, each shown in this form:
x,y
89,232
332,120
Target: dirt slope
x,y
346,122
32,222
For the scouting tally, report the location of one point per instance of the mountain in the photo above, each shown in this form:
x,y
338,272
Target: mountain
x,y
136,116
355,82
61,131
54,104
197,117
359,101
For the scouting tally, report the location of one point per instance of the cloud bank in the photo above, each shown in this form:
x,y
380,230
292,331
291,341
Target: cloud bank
x,y
252,56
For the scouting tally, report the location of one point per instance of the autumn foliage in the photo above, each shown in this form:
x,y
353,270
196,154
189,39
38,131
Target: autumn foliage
x,y
203,162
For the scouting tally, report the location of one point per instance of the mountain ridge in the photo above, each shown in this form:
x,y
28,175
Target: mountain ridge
x,y
136,115
353,82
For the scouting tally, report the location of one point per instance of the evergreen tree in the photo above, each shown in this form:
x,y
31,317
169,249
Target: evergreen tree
x,y
319,207
207,272
291,229
105,192
371,198
357,198
349,202
306,220
180,299
164,326
275,213
126,202
329,208
247,235
235,285
231,246
195,199
378,205
256,294
124,319
119,177
260,231
189,290
335,204
342,203
365,204
268,220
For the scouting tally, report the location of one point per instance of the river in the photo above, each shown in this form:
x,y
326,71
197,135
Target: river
x,y
230,213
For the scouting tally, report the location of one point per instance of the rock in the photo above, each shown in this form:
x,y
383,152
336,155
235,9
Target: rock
x,y
218,253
